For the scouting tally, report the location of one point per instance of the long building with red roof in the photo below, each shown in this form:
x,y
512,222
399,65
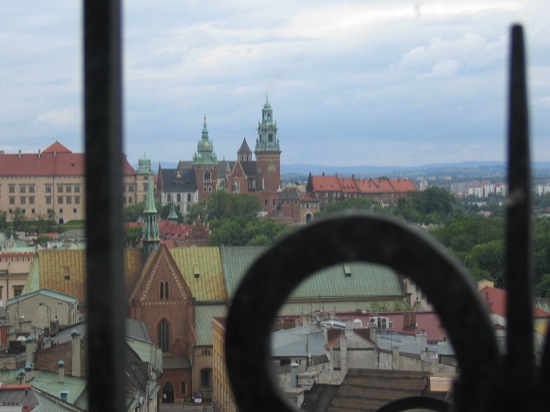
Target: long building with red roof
x,y
50,183
329,189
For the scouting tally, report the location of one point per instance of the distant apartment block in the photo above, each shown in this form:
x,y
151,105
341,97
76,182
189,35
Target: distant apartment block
x,y
51,182
479,189
328,189
542,189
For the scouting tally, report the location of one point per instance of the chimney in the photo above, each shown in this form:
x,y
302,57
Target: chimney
x,y
76,364
61,371
30,348
422,338
293,375
19,153
39,153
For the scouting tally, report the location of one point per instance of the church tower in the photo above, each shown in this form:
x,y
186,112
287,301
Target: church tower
x,y
150,230
268,152
205,165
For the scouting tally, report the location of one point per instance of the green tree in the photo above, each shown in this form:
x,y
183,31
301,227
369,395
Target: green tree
x,y
19,220
132,235
462,234
542,289
133,212
223,205
358,203
3,221
487,259
433,203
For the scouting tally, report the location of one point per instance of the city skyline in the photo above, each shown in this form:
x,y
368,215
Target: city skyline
x,y
337,76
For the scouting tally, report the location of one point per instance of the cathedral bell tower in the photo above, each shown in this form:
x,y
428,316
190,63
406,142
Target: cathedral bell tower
x,y
205,165
268,152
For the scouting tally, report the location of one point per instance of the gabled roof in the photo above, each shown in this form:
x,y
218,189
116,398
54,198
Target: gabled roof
x,y
44,292
56,147
143,290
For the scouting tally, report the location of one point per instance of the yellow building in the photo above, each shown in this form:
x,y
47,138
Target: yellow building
x,y
50,184
223,399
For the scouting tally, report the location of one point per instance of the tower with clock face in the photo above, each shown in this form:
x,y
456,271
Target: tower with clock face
x,y
268,152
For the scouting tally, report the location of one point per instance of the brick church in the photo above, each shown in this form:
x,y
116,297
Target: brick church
x,y
193,181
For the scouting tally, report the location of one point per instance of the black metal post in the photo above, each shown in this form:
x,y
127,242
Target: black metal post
x,y
520,356
104,231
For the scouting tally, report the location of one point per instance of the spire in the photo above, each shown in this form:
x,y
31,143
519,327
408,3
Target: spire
x,y
205,149
150,229
172,216
267,131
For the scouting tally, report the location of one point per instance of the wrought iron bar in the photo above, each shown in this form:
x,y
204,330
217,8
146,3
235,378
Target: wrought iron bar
x,y
520,356
104,232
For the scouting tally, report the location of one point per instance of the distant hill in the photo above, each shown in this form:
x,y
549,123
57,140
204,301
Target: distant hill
x,y
461,170
493,170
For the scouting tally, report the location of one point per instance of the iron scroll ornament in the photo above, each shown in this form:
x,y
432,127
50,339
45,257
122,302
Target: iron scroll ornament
x,y
350,238
487,381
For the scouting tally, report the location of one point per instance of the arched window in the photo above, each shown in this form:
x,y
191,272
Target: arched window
x,y
183,388
178,197
207,176
164,291
164,335
189,197
236,187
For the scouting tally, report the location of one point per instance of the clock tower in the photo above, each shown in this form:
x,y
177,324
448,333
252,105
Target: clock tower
x,y
268,152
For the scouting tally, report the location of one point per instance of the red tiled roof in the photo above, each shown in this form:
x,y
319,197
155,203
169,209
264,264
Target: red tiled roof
x,y
56,160
349,185
354,185
496,299
326,184
56,147
386,185
428,322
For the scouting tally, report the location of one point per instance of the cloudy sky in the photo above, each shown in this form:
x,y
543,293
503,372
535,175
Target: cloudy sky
x,y
389,83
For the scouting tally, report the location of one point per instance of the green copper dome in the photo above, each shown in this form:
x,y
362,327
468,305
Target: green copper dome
x,y
144,165
205,149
